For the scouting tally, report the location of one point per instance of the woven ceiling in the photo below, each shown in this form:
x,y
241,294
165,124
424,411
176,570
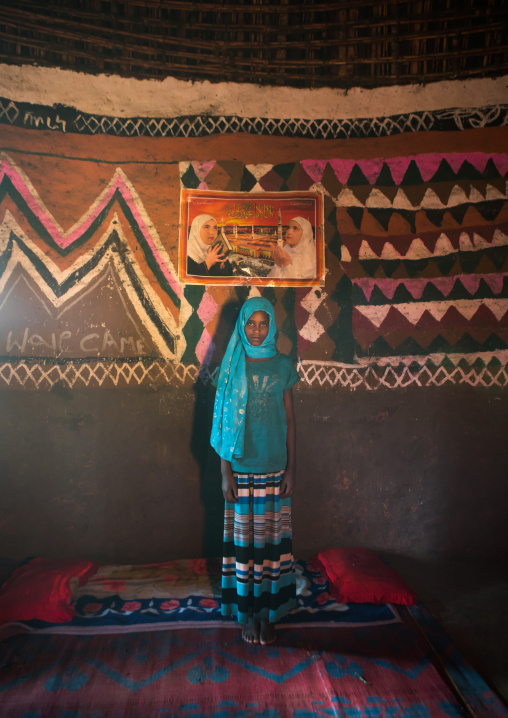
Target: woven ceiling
x,y
277,42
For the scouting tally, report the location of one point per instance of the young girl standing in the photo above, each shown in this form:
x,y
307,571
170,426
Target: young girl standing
x,y
254,433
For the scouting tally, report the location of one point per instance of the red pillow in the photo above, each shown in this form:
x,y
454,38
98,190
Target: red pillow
x,y
358,576
41,589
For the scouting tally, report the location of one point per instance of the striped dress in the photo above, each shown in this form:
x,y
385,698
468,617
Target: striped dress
x,y
258,579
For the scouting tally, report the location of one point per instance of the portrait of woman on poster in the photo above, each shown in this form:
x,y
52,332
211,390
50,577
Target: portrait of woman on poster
x,y
204,259
297,258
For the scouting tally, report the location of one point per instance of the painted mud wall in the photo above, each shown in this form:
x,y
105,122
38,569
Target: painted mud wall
x,y
106,358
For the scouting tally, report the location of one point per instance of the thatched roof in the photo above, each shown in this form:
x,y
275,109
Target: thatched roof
x,y
279,42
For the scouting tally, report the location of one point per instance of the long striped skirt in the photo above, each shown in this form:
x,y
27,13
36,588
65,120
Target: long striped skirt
x,y
258,577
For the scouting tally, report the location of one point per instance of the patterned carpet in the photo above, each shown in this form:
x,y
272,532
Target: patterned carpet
x,y
387,671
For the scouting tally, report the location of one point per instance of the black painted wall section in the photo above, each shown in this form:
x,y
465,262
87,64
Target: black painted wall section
x,y
128,475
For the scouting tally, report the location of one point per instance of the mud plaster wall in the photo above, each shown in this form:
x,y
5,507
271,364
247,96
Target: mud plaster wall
x,y
106,358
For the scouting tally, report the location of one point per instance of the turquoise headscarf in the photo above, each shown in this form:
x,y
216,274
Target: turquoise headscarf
x,y
228,426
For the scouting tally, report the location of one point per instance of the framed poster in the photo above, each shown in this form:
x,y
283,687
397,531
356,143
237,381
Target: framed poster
x,y
262,238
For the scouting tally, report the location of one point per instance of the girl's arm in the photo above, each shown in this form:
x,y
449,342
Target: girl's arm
x,y
288,481
229,487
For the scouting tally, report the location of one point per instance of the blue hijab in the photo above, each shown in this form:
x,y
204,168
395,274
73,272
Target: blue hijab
x,y
228,426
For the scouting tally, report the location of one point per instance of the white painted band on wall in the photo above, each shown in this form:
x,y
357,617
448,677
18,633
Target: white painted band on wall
x,y
113,95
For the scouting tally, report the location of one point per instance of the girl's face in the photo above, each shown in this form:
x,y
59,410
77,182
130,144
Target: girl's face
x,y
256,328
293,233
209,232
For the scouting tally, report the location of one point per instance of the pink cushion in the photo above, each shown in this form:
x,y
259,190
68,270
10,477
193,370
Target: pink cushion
x,y
41,590
358,576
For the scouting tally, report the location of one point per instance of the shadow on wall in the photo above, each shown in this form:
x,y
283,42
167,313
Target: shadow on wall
x,y
207,459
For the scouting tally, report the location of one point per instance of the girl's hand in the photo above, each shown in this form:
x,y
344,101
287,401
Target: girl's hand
x,y
214,255
229,485
287,484
280,257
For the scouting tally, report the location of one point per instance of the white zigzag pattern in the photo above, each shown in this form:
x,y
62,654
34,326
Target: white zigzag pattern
x,y
61,236
370,377
413,312
418,250
19,258
377,199
398,377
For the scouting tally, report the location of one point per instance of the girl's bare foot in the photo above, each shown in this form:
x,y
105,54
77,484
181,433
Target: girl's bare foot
x,y
267,633
250,632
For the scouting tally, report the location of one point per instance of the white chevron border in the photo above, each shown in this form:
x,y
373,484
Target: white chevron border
x,y
402,373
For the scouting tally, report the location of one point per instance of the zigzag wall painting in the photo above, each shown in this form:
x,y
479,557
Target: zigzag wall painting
x,y
416,290
111,255
68,119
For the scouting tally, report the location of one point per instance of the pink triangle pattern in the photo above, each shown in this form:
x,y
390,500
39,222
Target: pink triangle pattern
x,y
427,164
202,169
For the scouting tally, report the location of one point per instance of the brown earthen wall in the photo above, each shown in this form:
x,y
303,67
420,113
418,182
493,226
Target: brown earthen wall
x,y
117,466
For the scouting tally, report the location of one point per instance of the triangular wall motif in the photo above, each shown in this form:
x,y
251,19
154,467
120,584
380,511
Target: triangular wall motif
x,y
385,178
375,183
